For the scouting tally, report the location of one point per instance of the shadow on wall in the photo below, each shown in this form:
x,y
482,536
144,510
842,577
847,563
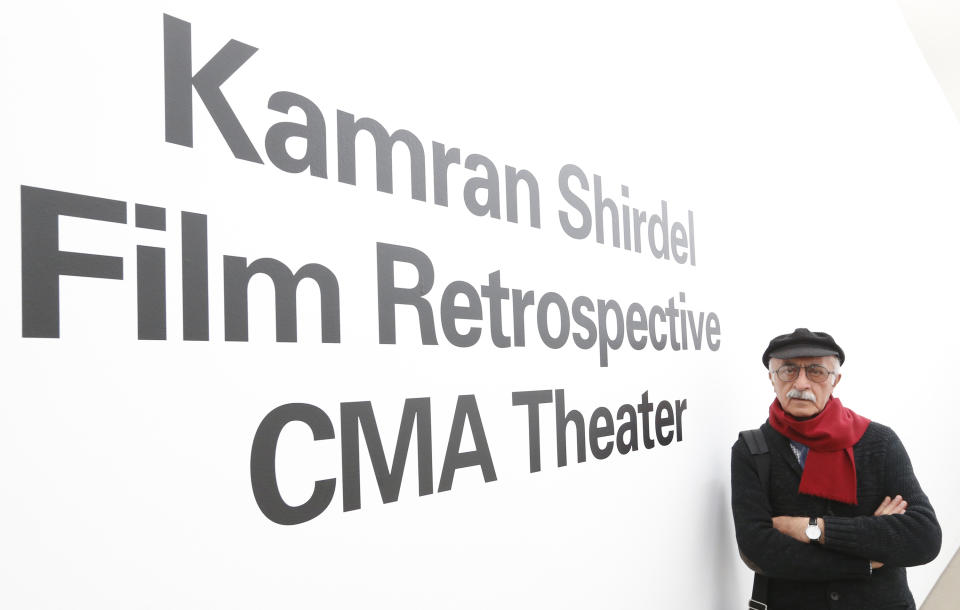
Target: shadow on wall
x,y
934,24
946,592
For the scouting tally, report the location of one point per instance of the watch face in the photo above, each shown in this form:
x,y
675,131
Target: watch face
x,y
813,532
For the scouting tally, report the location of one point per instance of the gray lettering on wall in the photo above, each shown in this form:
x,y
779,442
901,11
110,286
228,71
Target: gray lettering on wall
x,y
389,295
347,130
196,282
665,428
42,261
179,85
263,464
236,279
455,459
606,330
355,416
314,132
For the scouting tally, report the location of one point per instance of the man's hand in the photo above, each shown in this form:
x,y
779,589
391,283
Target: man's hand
x,y
896,506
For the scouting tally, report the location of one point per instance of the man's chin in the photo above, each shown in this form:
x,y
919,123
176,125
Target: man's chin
x,y
801,409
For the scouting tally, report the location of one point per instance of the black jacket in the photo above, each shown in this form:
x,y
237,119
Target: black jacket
x,y
835,575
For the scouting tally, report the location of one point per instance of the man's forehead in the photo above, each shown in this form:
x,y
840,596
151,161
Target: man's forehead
x,y
777,362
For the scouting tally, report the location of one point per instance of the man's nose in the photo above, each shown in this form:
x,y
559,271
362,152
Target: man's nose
x,y
802,381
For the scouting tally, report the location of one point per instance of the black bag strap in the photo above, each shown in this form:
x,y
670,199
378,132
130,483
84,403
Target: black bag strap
x,y
757,445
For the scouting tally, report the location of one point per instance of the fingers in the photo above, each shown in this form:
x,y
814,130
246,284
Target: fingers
x,y
891,506
875,564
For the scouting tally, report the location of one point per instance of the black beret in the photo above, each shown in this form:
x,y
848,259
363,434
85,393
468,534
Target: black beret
x,y
802,343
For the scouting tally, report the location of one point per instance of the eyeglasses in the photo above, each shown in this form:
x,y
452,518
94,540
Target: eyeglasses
x,y
815,372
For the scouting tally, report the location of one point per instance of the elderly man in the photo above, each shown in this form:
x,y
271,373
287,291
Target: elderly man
x,y
827,509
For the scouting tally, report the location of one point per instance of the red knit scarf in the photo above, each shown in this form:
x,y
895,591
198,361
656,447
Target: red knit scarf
x,y
830,471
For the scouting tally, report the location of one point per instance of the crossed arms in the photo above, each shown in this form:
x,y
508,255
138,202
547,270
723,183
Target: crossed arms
x,y
901,531
796,527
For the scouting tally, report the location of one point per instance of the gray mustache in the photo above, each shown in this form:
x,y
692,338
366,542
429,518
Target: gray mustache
x,y
802,395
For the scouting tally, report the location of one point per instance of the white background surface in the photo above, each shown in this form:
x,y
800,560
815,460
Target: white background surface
x,y
811,142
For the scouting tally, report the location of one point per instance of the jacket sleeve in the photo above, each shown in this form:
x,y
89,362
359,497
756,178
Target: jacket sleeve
x,y
770,552
910,539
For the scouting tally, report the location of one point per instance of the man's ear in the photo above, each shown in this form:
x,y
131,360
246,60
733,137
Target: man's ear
x,y
837,380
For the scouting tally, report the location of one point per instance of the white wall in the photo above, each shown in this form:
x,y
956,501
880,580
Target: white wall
x,y
811,144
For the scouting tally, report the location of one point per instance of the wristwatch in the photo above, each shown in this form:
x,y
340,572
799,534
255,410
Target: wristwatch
x,y
813,530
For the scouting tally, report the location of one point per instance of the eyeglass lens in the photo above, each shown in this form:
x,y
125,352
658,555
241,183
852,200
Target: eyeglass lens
x,y
814,372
